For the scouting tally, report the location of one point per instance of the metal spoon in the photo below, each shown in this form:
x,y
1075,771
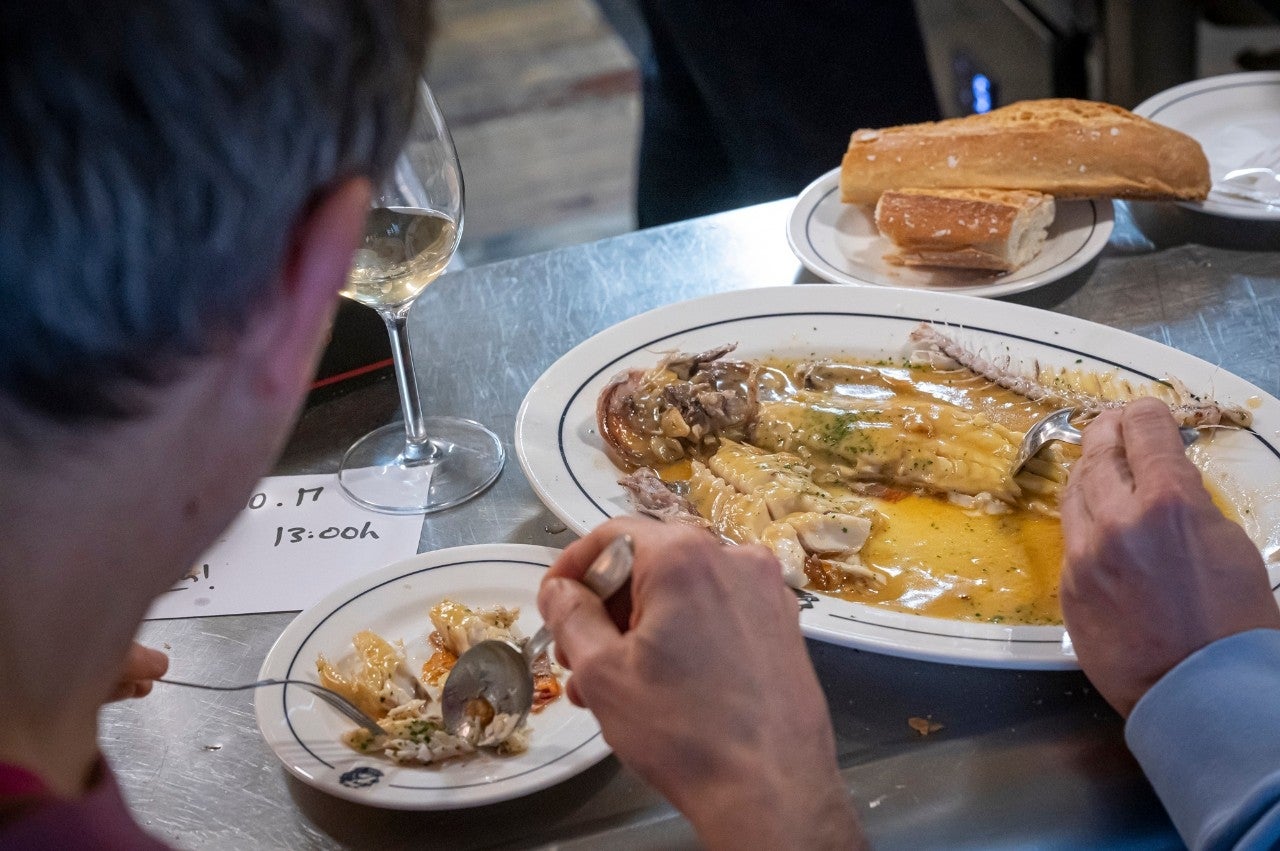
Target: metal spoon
x,y
1057,426
494,678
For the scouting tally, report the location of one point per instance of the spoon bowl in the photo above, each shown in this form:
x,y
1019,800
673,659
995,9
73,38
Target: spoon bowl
x,y
494,682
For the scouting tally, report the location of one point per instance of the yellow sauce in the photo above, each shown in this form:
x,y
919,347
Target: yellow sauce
x,y
945,562
679,471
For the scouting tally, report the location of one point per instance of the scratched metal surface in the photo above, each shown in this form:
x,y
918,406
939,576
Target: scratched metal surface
x,y
1024,759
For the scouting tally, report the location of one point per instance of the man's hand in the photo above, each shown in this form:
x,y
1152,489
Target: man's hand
x,y
141,668
702,685
1153,570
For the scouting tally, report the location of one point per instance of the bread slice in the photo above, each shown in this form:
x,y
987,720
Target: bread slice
x,y
993,229
1062,147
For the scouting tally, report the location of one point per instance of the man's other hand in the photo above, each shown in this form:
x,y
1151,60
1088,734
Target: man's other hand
x,y
1153,570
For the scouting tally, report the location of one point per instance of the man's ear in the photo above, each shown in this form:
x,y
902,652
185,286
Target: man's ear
x,y
289,330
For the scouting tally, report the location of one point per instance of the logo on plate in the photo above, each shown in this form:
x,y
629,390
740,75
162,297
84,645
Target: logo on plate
x,y
360,778
806,599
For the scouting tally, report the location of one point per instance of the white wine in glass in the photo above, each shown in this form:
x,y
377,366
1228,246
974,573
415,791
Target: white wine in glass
x,y
412,232
404,249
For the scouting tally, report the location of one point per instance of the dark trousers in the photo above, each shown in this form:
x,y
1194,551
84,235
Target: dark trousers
x,y
750,100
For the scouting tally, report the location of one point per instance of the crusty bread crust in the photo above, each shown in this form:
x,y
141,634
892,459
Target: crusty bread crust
x,y
992,229
1062,147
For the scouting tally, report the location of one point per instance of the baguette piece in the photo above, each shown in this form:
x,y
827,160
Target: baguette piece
x,y
993,229
1062,147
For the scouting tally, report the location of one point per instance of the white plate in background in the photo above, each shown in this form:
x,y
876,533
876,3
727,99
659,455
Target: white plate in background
x,y
563,457
1233,117
305,733
839,242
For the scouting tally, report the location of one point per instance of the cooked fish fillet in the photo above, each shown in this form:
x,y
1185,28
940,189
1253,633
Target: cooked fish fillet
x,y
782,480
909,442
794,536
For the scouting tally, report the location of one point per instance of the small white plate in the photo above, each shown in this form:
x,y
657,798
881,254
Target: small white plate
x,y
839,242
306,734
1233,117
563,457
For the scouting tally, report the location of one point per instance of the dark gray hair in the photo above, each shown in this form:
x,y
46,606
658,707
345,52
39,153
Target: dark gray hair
x,y
153,156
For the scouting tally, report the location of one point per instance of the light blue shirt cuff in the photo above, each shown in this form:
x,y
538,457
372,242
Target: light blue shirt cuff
x,y
1208,737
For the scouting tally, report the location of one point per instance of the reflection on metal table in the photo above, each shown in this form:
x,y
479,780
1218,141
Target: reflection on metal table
x,y
1023,758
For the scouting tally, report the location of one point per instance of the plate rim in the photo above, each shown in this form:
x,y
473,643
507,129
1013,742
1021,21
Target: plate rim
x,y
1152,106
816,193
981,651
269,704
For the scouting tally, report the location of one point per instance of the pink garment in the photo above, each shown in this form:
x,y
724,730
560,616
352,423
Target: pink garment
x,y
33,817
17,782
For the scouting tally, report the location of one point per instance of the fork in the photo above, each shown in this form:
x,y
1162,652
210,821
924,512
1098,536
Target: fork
x,y
1057,426
1257,179
337,701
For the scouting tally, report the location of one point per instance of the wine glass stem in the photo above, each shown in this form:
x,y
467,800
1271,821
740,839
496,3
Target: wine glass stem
x,y
418,448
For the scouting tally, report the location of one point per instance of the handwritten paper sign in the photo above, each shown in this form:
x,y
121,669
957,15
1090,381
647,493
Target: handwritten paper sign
x,y
297,539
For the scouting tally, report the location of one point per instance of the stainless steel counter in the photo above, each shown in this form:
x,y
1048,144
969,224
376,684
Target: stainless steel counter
x,y
1023,759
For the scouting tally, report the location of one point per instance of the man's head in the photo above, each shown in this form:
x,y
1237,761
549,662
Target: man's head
x,y
157,162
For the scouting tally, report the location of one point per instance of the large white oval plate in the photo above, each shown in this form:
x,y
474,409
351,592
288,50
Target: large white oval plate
x,y
1233,117
306,734
839,242
562,455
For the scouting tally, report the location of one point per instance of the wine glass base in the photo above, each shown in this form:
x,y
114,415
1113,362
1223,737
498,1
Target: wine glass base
x,y
375,474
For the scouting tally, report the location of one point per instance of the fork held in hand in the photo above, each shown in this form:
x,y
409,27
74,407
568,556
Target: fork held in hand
x,y
329,696
1057,426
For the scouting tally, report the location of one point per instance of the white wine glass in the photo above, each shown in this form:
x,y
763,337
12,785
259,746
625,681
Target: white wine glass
x,y
412,231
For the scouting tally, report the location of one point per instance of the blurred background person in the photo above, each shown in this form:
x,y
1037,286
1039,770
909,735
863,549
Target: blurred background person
x,y
746,102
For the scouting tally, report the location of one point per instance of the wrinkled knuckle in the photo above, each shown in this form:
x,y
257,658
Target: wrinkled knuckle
x,y
760,561
1103,424
673,538
1151,419
1077,553
1183,475
700,541
557,606
589,664
1106,453
695,547
1108,529
1147,408
653,660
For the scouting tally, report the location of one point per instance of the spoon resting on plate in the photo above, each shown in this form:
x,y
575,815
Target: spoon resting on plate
x,y
489,691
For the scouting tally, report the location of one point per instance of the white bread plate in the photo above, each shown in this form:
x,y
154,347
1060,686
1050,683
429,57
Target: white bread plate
x,y
839,243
